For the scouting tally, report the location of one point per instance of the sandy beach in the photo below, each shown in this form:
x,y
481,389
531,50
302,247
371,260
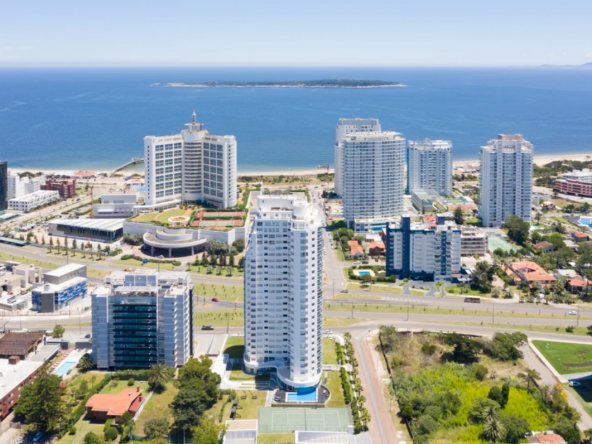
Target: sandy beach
x,y
539,160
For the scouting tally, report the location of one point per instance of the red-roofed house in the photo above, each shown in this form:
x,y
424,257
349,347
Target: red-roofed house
x,y
85,174
355,248
376,249
577,285
102,407
529,272
547,438
431,220
544,246
578,236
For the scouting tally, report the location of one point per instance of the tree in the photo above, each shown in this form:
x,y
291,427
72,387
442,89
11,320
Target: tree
x,y
518,230
157,428
92,438
568,430
516,428
365,416
110,434
58,331
239,244
483,408
493,429
505,395
125,418
366,279
458,216
426,425
465,349
495,394
158,376
206,432
85,363
74,244
41,403
496,292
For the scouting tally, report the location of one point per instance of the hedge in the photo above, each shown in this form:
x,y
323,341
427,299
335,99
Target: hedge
x,y
347,390
138,375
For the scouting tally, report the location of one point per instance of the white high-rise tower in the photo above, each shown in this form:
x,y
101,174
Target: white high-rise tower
x,y
430,166
505,179
284,291
372,182
192,166
344,127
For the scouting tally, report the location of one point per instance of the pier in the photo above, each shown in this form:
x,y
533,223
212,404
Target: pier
x,y
134,161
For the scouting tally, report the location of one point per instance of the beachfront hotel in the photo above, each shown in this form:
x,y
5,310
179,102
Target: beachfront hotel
x,y
345,127
372,168
430,166
284,291
194,166
142,318
417,250
505,179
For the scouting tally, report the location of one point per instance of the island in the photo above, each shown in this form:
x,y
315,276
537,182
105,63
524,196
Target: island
x,y
326,83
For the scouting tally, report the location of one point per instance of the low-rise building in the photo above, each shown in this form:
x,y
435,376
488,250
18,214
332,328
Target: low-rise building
x,y
376,249
577,284
355,249
116,205
584,175
59,288
424,200
544,246
574,187
102,406
34,200
20,344
529,272
578,236
142,318
473,242
102,230
19,280
66,188
418,251
15,374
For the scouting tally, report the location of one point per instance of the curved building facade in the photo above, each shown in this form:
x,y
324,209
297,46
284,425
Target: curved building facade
x,y
284,292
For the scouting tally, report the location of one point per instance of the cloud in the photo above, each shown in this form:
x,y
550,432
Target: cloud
x,y
4,49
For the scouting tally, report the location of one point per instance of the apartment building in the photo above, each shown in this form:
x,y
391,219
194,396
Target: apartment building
x,y
3,185
59,288
505,180
417,250
473,242
194,166
373,168
284,291
142,318
34,200
429,166
15,374
66,188
345,127
15,186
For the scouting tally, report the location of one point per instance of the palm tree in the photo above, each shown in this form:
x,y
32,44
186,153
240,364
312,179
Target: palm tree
x,y
85,363
158,377
365,416
493,429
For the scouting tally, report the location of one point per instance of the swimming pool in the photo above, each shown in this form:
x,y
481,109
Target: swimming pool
x,y
303,395
363,273
63,369
586,221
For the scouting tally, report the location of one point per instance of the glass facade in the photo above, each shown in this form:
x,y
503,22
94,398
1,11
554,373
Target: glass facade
x,y
134,333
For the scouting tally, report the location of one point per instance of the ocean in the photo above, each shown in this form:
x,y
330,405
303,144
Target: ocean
x,y
96,118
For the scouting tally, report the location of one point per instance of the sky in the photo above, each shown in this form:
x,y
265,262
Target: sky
x,y
295,32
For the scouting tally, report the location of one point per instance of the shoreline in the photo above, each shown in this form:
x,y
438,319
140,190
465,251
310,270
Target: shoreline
x,y
538,160
203,85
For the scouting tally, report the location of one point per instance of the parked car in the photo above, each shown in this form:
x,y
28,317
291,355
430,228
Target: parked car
x,y
328,332
572,313
214,299
37,436
207,327
344,291
574,383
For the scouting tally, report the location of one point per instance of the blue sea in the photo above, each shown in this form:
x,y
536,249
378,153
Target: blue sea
x,y
96,118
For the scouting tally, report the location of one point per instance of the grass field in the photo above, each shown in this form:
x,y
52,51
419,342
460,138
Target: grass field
x,y
234,347
380,288
418,292
276,438
336,389
224,292
357,297
237,374
13,257
583,394
469,292
138,264
329,354
382,308
249,406
166,215
145,217
220,318
83,426
578,331
200,269
157,407
114,389
566,357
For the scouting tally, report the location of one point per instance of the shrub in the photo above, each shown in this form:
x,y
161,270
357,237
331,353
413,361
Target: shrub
x,y
434,411
428,349
480,371
570,328
107,424
130,382
427,424
111,433
72,430
495,394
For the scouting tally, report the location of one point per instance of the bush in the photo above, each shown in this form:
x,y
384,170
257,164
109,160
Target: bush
x,y
126,257
111,433
427,424
72,430
480,371
495,394
434,411
107,424
570,328
428,349
130,382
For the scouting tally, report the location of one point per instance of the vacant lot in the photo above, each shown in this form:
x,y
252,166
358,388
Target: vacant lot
x,y
157,407
566,357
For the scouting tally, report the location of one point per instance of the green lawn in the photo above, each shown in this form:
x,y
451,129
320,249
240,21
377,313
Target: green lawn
x,y
329,354
276,438
469,292
224,292
114,389
250,407
234,347
566,357
200,269
578,331
329,322
157,407
237,374
166,215
23,260
219,318
138,264
83,426
583,394
417,292
358,297
336,389
145,217
380,288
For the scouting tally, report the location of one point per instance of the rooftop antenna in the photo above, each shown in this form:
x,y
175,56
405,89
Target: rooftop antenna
x,y
194,117
194,125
